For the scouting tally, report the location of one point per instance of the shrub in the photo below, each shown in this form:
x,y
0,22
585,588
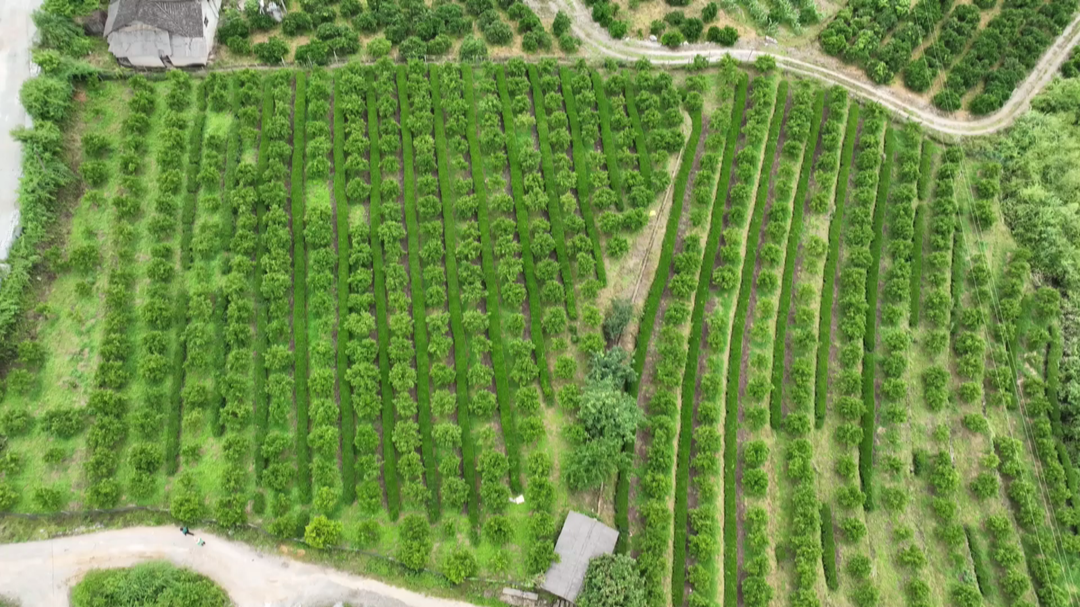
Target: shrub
x,y
459,565
46,98
322,532
612,580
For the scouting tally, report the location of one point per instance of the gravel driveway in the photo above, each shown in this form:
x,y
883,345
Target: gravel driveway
x,y
41,574
16,35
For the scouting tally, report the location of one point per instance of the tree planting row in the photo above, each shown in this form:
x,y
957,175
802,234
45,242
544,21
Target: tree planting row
x,y
488,154
277,449
412,84
408,348
535,252
936,272
557,178
357,325
464,273
344,255
583,186
754,170
108,401
805,528
837,163
857,235
702,454
448,407
587,262
655,537
324,435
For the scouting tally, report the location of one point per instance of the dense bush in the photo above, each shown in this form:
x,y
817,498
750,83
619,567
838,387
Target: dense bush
x,y
155,583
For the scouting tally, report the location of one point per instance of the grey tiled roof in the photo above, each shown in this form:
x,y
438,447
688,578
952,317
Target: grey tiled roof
x,y
179,17
581,539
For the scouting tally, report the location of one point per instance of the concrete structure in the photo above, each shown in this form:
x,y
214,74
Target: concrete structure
x,y
16,34
162,33
581,539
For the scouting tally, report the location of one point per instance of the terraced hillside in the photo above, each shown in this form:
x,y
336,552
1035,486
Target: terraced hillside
x,y
787,347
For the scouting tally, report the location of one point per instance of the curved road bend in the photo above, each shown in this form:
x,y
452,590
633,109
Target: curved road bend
x,y
41,574
899,102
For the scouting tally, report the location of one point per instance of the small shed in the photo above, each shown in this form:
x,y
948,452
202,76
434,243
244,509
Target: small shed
x,y
582,538
162,33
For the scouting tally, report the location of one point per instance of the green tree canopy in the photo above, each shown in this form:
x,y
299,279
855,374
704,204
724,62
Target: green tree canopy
x,y
612,580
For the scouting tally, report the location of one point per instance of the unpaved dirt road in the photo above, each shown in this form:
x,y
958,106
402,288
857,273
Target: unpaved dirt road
x,y
826,69
41,574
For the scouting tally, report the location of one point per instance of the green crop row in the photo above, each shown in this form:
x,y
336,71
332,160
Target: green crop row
x,y
915,286
555,211
831,261
300,333
708,414
787,283
828,547
348,415
487,259
375,215
419,307
926,170
581,167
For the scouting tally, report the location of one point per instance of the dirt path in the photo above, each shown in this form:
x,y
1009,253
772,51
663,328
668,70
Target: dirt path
x,y
813,64
42,573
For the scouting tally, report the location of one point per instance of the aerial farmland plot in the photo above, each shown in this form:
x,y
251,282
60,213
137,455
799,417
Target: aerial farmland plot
x,y
793,349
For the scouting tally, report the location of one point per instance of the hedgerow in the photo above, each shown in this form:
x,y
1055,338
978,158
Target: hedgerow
x,y
417,89
451,103
831,261
581,167
828,547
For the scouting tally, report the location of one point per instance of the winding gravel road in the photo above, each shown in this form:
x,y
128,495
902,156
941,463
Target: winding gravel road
x,y
897,100
41,574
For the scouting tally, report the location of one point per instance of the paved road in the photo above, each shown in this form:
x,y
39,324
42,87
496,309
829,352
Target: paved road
x,y
16,34
815,65
41,574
